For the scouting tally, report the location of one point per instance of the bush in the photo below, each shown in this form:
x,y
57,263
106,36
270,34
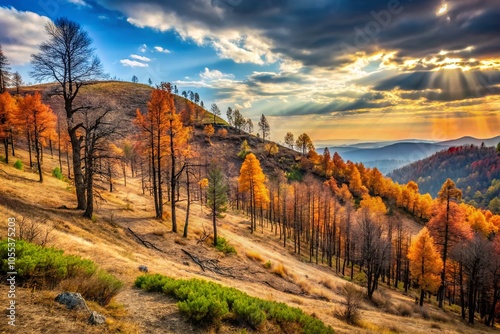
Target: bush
x,y
47,267
205,302
351,310
280,270
224,247
57,173
268,264
255,256
2,158
18,164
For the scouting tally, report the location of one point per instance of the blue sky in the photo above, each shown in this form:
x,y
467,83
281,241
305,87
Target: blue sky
x,y
338,70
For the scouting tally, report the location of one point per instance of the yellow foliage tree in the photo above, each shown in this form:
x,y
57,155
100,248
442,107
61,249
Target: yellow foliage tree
x,y
425,263
253,182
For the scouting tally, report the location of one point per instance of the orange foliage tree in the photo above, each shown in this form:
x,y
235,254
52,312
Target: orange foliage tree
x,y
425,263
253,181
37,119
8,108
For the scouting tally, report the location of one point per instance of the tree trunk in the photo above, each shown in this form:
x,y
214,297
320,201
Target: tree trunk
x,y
77,167
186,224
6,145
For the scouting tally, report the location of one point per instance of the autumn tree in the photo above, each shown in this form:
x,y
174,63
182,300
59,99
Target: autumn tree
x,y
304,143
38,120
446,195
8,109
69,59
264,127
4,71
425,263
252,181
271,148
244,149
209,131
216,195
289,140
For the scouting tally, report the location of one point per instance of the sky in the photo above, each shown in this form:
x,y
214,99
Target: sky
x,y
339,70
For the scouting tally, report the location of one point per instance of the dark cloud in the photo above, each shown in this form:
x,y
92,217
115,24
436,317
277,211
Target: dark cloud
x,y
322,32
449,85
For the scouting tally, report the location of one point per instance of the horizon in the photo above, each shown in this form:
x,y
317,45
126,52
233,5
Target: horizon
x,y
381,71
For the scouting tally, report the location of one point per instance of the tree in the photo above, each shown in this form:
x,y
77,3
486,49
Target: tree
x,y
238,120
289,140
4,71
447,193
249,125
229,114
8,108
135,79
184,94
191,95
150,82
425,263
244,149
202,105
271,149
17,81
209,131
216,195
304,143
215,110
196,97
38,120
68,58
252,181
264,127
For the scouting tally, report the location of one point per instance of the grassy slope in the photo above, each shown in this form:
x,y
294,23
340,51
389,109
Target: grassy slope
x,y
107,241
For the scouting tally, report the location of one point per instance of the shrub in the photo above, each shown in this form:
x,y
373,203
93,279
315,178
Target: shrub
x,y
205,302
280,270
405,310
18,164
47,267
2,158
351,310
224,247
57,173
222,133
268,264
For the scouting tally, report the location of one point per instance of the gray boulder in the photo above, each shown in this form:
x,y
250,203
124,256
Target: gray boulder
x,y
72,300
96,318
143,268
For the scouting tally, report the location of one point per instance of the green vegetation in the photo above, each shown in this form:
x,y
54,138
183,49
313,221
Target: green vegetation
x,y
2,158
57,173
224,247
48,267
18,164
205,303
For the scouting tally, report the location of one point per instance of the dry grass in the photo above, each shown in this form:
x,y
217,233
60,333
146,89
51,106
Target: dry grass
x,y
280,270
255,256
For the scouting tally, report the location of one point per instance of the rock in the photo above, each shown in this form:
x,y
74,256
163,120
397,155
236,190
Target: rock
x,y
72,300
185,263
96,318
143,268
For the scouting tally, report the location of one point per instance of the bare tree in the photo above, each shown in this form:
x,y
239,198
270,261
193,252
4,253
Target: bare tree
x,y
4,71
17,80
68,58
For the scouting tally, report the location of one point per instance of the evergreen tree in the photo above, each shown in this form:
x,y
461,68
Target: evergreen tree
x,y
216,195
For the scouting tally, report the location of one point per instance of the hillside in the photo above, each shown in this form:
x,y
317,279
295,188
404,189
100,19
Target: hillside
x,y
476,171
106,240
299,245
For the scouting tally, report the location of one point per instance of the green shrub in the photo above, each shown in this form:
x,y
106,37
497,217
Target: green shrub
x,y
57,173
205,302
47,267
224,247
2,158
18,164
268,264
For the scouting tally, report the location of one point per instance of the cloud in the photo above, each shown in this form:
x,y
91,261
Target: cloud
x,y
103,17
79,3
160,49
132,63
141,58
208,74
18,44
143,48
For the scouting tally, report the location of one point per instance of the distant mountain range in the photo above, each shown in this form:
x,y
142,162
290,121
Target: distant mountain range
x,y
390,155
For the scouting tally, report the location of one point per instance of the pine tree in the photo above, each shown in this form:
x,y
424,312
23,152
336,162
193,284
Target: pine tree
x,y
289,140
4,71
264,127
425,263
216,195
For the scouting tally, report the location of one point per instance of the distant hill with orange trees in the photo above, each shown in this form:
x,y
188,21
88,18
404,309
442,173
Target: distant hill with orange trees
x,y
475,169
